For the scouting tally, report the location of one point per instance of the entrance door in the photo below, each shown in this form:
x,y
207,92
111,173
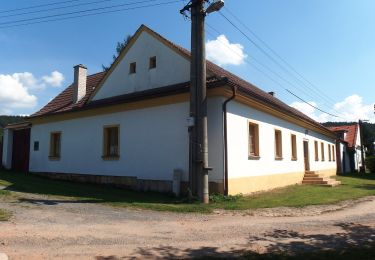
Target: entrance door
x,y
21,150
306,155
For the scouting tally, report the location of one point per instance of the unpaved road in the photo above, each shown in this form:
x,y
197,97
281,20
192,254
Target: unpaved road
x,y
43,228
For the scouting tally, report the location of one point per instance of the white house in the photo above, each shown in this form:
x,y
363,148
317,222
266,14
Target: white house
x,y
128,127
349,151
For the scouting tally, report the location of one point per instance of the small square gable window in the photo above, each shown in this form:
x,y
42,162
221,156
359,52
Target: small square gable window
x,y
132,68
152,62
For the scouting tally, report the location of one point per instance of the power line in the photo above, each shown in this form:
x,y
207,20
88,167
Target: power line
x,y
275,53
54,8
36,6
269,56
98,13
272,71
76,12
311,104
275,81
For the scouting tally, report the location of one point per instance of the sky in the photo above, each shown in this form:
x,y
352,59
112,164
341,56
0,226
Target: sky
x,y
327,48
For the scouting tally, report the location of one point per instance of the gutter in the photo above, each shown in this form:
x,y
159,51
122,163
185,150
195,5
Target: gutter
x,y
225,135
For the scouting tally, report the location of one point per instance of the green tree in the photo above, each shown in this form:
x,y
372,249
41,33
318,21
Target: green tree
x,y
119,47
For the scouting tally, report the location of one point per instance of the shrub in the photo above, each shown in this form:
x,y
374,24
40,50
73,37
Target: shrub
x,y
222,198
370,163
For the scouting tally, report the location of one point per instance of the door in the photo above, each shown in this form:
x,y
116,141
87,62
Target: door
x,y
21,150
306,155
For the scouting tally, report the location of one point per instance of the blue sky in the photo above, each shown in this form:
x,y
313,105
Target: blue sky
x,y
331,43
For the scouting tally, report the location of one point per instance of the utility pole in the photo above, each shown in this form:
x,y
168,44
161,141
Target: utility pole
x,y
198,100
363,165
198,148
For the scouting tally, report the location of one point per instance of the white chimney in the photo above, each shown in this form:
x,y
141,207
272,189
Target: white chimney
x,y
79,85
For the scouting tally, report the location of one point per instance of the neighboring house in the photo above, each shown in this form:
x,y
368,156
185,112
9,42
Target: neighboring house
x,y
349,151
128,126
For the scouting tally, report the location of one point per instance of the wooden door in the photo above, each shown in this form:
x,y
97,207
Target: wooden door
x,y
21,150
306,155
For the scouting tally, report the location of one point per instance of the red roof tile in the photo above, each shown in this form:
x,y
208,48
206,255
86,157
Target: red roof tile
x,y
351,133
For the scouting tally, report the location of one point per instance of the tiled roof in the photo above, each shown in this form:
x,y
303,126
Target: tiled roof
x,y
351,133
64,102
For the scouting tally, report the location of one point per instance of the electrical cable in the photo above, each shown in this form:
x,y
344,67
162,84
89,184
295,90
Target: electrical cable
x,y
92,14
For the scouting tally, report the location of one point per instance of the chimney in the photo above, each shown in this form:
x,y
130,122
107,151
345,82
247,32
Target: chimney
x,y
79,85
271,93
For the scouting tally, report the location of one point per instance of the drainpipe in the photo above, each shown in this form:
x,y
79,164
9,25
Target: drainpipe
x,y
225,137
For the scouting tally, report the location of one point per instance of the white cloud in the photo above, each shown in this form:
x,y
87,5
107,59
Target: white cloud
x,y
55,79
350,109
13,94
222,52
28,80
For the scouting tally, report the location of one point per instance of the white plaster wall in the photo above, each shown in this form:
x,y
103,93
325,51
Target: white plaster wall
x,y
171,68
153,142
239,164
7,148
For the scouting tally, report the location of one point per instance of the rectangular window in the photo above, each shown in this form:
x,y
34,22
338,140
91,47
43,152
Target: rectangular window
x,y
253,140
278,145
132,68
55,145
322,150
152,62
333,153
111,142
316,151
36,145
294,146
329,153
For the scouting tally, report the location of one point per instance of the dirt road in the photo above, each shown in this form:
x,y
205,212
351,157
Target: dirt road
x,y
43,228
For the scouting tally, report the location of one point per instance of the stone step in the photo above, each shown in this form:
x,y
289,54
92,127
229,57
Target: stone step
x,y
312,178
311,175
315,182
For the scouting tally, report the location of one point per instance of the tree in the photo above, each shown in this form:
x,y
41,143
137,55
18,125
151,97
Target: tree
x,y
120,46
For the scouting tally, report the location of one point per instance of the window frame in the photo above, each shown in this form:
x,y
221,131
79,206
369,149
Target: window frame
x,y
106,154
54,151
333,153
316,146
329,153
133,67
152,63
278,144
322,151
256,154
293,143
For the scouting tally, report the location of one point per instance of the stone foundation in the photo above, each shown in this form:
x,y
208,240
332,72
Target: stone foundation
x,y
126,182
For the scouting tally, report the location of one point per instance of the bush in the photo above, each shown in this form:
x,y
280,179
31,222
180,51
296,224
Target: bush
x,y
370,163
222,198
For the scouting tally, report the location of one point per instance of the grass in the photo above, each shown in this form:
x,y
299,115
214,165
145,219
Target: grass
x,y
353,187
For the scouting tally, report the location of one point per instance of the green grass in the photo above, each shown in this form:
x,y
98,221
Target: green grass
x,y
4,215
353,186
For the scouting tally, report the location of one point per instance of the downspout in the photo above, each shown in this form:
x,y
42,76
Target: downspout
x,y
225,137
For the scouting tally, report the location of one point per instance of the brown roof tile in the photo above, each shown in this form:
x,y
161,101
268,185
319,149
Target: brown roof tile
x,y
351,133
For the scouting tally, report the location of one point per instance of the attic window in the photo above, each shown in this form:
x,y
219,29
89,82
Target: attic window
x,y
152,62
132,68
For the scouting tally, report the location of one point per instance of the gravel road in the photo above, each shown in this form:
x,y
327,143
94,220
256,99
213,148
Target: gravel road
x,y
44,228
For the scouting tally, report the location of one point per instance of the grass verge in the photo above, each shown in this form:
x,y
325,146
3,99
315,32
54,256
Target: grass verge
x,y
353,187
4,215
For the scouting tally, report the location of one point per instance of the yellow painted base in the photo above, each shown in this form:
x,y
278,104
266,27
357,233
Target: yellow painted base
x,y
327,172
252,184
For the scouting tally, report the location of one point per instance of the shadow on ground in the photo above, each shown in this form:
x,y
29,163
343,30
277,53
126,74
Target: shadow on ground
x,y
354,242
80,193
